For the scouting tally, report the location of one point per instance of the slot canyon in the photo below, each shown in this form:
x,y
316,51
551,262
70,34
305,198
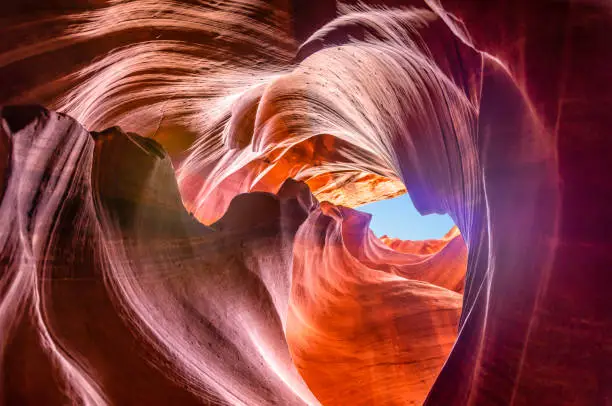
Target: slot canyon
x,y
180,193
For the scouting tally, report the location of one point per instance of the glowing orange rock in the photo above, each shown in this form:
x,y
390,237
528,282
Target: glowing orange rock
x,y
146,275
368,325
106,279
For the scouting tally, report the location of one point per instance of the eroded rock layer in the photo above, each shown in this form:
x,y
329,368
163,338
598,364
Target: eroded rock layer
x,y
107,279
199,272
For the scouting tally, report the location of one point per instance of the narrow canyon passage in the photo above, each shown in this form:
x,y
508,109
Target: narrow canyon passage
x,y
191,191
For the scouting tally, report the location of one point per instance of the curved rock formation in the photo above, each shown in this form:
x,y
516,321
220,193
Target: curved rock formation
x,y
130,275
106,264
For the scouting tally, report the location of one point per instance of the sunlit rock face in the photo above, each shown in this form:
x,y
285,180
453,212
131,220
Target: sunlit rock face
x,y
368,325
195,271
122,284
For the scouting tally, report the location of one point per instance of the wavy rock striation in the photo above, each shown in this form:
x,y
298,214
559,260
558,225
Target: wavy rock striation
x,y
133,276
107,280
